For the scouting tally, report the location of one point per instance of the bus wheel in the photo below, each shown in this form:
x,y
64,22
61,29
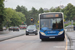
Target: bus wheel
x,y
62,39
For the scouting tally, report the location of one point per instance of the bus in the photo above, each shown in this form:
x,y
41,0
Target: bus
x,y
51,26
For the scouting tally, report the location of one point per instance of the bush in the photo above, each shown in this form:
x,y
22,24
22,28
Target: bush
x,y
66,25
74,24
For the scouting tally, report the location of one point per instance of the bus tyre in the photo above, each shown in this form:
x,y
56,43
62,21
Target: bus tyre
x,y
62,39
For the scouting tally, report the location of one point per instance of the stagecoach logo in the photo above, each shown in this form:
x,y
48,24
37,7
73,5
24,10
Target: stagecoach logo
x,y
52,32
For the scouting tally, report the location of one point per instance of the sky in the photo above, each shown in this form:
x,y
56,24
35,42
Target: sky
x,y
36,3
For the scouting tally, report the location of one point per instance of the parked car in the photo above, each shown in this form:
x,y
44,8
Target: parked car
x,y
4,28
31,29
10,28
16,28
23,26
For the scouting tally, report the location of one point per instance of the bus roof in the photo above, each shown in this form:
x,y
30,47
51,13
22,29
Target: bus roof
x,y
50,13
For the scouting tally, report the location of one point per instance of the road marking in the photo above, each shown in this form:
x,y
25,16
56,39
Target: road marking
x,y
66,43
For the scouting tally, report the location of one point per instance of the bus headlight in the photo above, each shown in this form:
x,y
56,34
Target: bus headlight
x,y
60,32
42,33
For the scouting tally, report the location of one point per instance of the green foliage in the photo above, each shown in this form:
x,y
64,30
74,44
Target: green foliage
x,y
34,14
28,14
23,10
22,16
66,25
52,9
41,10
69,11
58,9
18,8
13,18
1,7
74,24
1,14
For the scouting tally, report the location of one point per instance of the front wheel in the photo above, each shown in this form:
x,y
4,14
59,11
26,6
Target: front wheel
x,y
18,30
62,39
36,34
27,34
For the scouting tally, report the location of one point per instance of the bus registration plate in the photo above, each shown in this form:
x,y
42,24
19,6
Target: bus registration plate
x,y
51,37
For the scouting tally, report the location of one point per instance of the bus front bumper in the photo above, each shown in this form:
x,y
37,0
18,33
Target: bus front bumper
x,y
52,37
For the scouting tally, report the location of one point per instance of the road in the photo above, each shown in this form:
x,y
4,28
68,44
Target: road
x,y
31,42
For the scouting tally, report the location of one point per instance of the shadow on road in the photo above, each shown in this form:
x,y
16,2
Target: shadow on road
x,y
52,40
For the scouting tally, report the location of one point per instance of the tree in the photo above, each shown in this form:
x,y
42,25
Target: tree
x,y
13,18
41,10
18,8
28,14
52,9
58,9
1,14
24,11
69,11
22,16
34,14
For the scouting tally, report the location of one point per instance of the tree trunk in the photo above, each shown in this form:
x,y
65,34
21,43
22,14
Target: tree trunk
x,y
1,28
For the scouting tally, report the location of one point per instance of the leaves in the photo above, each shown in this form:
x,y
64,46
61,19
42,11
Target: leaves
x,y
13,17
1,14
69,11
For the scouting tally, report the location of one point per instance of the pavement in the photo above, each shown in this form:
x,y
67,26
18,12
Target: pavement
x,y
71,37
4,35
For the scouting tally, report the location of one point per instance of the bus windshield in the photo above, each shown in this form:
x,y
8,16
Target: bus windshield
x,y
52,23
